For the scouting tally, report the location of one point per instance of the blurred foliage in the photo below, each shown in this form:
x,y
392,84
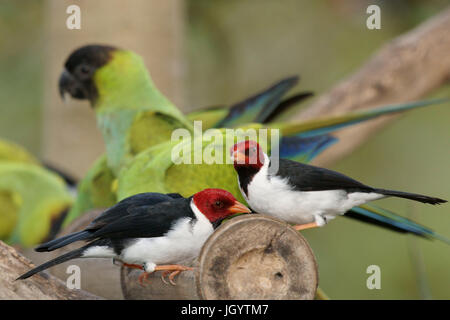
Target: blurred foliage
x,y
237,47
21,65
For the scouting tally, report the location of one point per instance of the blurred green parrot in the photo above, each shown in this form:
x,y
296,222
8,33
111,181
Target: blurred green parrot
x,y
137,123
10,151
33,200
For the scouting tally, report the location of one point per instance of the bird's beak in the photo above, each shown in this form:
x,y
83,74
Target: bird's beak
x,y
64,83
239,157
68,84
239,208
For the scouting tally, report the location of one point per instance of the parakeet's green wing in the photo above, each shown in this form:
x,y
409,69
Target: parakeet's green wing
x,y
96,190
208,116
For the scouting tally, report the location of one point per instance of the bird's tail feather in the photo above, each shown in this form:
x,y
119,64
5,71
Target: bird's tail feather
x,y
411,196
441,238
284,105
259,107
304,149
63,241
387,219
317,126
65,257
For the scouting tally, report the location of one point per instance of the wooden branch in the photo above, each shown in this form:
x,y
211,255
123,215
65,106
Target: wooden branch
x,y
408,68
42,286
248,257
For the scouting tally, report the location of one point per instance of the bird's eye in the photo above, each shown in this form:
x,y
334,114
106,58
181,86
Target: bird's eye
x,y
218,204
84,70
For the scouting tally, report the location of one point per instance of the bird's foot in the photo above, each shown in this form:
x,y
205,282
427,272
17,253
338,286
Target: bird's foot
x,y
172,270
144,277
306,226
171,274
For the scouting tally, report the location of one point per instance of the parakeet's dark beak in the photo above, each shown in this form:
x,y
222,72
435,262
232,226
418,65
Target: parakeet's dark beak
x,y
67,83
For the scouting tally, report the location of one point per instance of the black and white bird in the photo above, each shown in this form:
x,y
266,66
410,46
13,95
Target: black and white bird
x,y
304,195
150,231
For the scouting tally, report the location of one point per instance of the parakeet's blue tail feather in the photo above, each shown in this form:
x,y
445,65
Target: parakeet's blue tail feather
x,y
304,149
284,105
385,218
364,115
258,107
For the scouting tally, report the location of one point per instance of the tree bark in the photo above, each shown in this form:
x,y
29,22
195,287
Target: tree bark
x,y
408,68
41,286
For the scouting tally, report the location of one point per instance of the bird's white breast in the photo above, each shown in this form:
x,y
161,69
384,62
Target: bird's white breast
x,y
273,196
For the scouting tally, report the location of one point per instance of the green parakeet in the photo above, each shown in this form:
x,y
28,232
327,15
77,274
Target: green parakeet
x,y
33,200
131,113
33,203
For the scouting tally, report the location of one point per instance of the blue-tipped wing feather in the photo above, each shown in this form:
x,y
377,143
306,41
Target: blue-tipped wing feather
x,y
257,107
304,149
330,124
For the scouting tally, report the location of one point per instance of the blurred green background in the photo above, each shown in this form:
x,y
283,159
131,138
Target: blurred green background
x,y
234,48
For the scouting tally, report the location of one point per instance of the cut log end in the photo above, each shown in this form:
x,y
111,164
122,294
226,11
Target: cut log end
x,y
248,257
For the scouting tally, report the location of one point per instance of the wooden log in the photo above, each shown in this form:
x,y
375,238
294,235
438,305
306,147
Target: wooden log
x,y
42,286
247,257
156,289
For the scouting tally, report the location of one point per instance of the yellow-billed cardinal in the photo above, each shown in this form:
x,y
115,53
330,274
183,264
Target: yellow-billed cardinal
x,y
302,194
150,231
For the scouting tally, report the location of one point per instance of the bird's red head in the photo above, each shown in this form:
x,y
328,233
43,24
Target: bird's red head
x,y
217,204
247,154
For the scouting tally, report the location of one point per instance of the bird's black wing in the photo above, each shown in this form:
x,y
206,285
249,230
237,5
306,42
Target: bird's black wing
x,y
147,221
124,207
119,210
305,177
